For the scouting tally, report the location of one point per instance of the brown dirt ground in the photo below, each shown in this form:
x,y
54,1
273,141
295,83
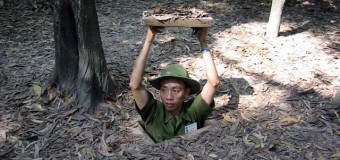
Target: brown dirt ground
x,y
277,98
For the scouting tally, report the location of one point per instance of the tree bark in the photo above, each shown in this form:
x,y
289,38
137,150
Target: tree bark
x,y
80,66
273,26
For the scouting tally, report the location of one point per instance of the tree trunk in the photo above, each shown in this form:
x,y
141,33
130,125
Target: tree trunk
x,y
273,26
80,66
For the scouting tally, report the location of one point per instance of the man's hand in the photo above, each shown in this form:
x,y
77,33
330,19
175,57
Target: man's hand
x,y
201,34
156,30
151,33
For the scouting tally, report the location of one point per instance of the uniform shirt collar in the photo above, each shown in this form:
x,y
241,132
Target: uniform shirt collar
x,y
183,114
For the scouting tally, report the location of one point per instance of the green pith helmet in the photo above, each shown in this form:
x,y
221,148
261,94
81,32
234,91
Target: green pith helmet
x,y
179,72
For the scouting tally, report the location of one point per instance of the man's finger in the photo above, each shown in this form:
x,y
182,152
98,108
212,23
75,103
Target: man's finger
x,y
157,29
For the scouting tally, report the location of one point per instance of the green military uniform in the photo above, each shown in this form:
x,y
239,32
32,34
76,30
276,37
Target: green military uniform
x,y
162,125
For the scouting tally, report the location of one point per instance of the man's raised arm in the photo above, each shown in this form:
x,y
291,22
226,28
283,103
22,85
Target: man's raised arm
x,y
210,87
138,90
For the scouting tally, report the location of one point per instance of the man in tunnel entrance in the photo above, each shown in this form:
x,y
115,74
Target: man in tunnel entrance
x,y
173,116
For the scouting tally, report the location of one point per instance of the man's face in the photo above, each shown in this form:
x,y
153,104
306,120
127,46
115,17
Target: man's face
x,y
173,93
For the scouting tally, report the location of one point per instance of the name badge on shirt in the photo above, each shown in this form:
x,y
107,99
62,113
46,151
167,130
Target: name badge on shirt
x,y
190,128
